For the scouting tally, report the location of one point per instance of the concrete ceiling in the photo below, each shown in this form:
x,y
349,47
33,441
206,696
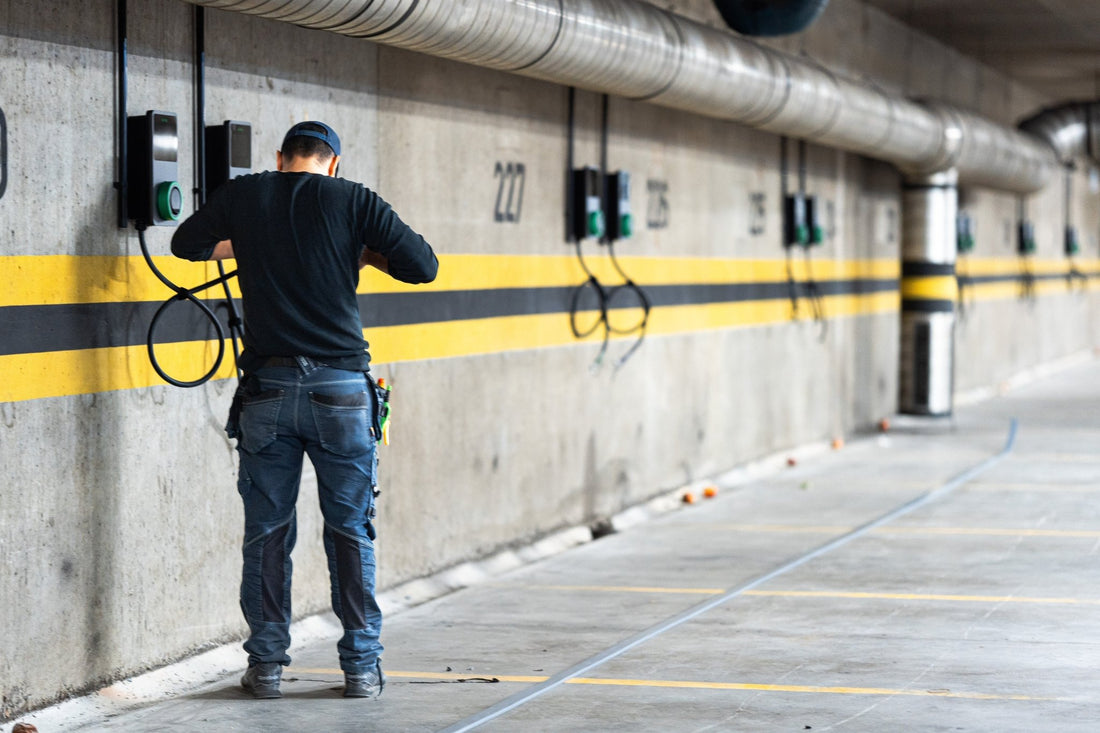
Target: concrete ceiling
x,y
1052,46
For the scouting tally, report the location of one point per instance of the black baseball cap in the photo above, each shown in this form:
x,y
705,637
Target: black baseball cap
x,y
309,129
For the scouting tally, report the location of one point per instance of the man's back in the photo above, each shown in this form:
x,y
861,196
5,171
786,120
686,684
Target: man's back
x,y
298,239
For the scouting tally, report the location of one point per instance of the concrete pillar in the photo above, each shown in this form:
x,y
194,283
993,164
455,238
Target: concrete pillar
x,y
928,294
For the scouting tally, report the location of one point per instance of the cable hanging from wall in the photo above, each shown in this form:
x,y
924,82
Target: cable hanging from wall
x,y
1025,247
127,189
1071,245
801,230
964,245
586,217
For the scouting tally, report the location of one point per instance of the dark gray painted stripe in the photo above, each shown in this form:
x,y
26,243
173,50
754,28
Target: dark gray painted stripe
x,y
43,328
914,305
926,269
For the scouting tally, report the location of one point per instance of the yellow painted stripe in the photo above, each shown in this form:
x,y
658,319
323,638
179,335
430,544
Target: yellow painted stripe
x,y
1067,457
1071,488
988,266
429,675
44,280
956,598
930,288
830,690
990,532
693,685
61,373
392,344
87,371
623,589
934,531
1014,290
55,279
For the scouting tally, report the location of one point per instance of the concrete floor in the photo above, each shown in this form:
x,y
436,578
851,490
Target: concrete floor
x,y
971,603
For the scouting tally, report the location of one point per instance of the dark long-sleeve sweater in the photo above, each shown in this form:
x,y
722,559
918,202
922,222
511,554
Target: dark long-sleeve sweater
x,y
297,239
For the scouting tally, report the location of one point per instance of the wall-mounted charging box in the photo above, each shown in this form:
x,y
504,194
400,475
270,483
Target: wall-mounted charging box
x,y
228,153
620,221
154,194
587,209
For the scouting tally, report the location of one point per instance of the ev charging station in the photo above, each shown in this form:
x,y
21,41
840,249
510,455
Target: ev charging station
x,y
154,194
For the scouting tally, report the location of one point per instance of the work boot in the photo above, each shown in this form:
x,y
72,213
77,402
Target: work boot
x,y
262,680
367,684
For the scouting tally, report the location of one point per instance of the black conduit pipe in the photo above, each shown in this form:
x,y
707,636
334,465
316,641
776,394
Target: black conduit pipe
x,y
770,17
122,184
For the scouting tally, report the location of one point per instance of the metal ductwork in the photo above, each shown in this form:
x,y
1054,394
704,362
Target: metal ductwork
x,y
636,50
1073,130
769,17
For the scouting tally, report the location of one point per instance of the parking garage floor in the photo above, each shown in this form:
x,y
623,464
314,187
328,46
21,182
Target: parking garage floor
x,y
942,576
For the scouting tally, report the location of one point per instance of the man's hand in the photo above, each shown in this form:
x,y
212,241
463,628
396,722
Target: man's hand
x,y
223,250
375,260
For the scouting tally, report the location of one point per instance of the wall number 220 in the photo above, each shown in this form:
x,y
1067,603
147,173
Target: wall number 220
x,y
509,202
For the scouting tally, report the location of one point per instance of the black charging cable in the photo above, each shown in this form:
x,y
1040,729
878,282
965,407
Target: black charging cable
x,y
604,297
792,285
963,284
1074,275
1027,280
817,300
591,284
188,294
628,285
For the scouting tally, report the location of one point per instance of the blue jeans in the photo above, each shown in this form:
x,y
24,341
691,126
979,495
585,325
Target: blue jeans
x,y
328,414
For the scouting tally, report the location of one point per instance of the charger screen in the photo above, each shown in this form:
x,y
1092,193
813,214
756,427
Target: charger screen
x,y
165,139
241,146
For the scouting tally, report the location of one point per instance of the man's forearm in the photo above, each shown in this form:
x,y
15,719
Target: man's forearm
x,y
223,250
375,260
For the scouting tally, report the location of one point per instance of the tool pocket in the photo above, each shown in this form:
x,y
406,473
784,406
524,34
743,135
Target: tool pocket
x,y
343,422
259,420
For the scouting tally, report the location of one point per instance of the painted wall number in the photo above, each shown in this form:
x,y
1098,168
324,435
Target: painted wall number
x,y
657,208
757,213
891,225
509,191
3,154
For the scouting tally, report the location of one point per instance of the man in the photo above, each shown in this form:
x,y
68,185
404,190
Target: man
x,y
300,236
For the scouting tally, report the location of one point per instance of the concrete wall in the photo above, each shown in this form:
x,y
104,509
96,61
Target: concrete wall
x,y
119,524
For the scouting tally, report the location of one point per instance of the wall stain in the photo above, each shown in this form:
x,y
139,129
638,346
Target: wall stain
x,y
7,414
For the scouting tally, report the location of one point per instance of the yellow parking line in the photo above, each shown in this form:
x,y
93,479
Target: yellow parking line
x,y
799,688
991,531
922,597
630,589
786,528
1082,457
991,486
960,598
449,676
964,531
689,685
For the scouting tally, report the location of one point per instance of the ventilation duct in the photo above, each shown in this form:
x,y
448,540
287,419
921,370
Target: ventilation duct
x,y
770,17
632,49
1073,130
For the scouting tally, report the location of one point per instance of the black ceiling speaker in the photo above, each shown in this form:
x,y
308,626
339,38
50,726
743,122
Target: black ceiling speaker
x,y
769,17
